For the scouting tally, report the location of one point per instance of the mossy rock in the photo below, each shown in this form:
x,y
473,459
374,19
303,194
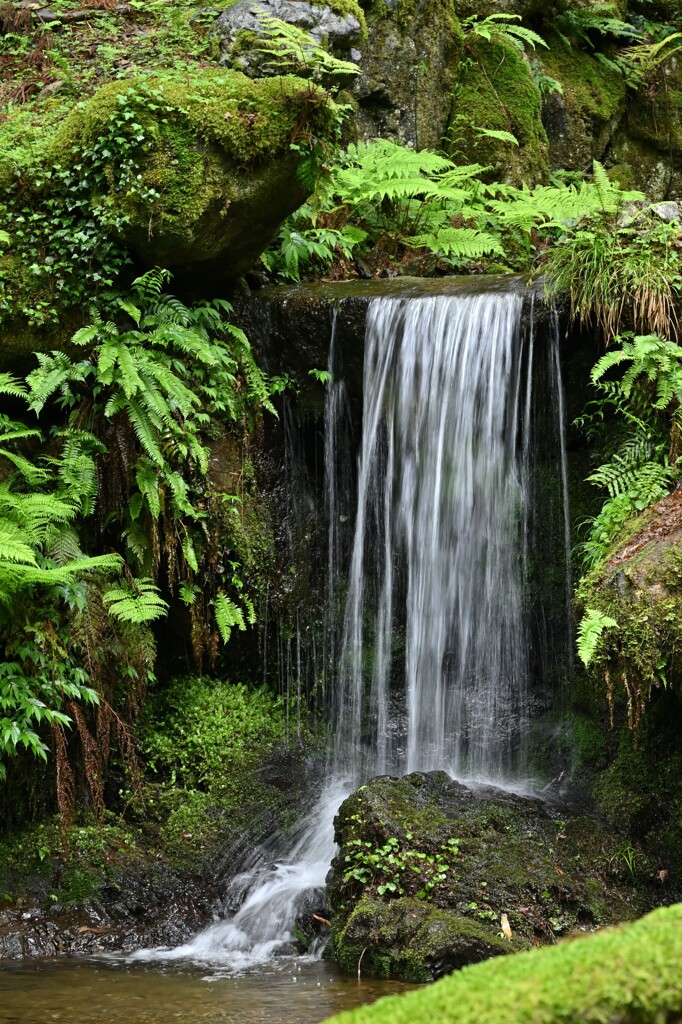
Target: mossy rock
x,y
581,121
217,175
495,91
630,975
408,65
409,939
427,868
647,150
631,692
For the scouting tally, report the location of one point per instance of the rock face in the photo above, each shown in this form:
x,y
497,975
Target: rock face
x,y
496,91
581,120
408,54
408,64
145,907
432,875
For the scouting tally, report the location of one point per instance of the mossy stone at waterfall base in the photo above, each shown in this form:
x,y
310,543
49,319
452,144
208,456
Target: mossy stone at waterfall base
x,y
432,875
630,975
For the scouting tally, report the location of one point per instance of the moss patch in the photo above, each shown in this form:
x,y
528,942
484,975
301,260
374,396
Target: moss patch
x,y
495,90
580,123
628,974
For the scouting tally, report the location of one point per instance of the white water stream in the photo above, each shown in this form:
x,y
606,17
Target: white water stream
x,y
432,664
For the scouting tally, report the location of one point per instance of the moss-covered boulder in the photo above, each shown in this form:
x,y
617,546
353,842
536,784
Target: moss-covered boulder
x,y
495,92
630,712
630,975
581,119
215,172
432,875
408,65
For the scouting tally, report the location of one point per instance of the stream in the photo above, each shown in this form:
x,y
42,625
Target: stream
x,y
112,990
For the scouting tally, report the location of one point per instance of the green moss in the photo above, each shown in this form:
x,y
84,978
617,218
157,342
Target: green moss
x,y
628,974
589,84
580,124
495,90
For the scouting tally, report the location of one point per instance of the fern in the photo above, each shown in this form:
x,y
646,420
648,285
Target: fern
x,y
592,625
574,25
228,615
137,602
290,50
503,27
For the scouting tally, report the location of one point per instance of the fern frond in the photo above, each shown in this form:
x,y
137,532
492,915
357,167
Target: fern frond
x,y
590,629
228,615
136,602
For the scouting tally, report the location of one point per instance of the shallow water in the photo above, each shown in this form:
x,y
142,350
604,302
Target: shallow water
x,y
291,990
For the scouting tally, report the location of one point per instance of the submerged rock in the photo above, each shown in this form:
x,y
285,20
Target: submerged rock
x,y
432,875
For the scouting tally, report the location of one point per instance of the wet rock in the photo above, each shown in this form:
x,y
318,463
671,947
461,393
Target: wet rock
x,y
408,65
667,211
427,868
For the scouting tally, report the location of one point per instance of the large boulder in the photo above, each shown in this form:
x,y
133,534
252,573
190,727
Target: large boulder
x,y
216,174
432,876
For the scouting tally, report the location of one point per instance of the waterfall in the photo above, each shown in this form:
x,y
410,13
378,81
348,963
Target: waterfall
x,y
437,559
431,663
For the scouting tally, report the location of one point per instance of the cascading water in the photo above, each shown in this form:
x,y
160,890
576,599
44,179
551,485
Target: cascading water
x,y
438,546
432,666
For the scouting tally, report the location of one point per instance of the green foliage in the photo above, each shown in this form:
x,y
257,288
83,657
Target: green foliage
x,y
387,199
577,25
590,629
637,423
393,870
640,63
208,735
136,602
504,27
618,269
292,51
125,466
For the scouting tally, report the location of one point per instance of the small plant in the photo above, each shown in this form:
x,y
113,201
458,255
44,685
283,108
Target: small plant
x,y
393,870
592,625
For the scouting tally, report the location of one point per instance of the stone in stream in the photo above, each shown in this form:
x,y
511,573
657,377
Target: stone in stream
x,y
460,858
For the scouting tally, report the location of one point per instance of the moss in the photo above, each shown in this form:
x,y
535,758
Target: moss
x,y
581,122
409,940
629,974
198,131
495,90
